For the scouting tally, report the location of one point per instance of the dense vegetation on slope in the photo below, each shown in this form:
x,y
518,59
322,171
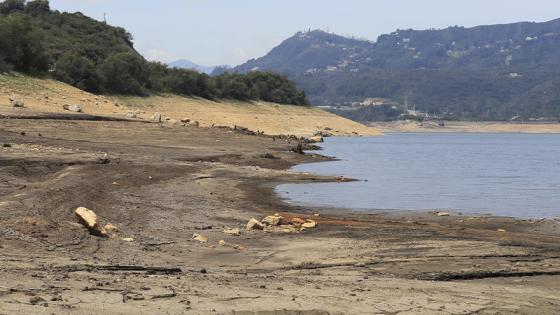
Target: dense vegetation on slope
x,y
96,57
487,72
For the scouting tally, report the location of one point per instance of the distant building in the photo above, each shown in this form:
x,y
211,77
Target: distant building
x,y
373,101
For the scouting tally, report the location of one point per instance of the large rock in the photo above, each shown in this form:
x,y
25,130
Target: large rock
x,y
73,108
254,224
272,220
88,218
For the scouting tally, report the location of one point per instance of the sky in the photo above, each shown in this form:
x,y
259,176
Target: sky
x,y
217,32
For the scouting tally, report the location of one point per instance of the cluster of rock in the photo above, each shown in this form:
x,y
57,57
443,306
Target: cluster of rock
x,y
271,224
277,223
158,118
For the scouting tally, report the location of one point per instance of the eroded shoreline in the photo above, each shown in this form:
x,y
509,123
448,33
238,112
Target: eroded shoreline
x,y
163,184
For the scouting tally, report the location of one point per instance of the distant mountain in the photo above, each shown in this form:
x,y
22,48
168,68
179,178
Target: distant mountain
x,y
187,64
485,72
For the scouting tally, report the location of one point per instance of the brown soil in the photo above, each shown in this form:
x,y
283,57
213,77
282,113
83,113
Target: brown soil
x,y
161,184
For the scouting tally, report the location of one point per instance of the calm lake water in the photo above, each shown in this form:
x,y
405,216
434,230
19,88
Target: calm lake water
x,y
514,175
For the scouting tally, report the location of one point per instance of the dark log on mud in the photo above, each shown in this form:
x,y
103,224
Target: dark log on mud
x,y
484,274
124,268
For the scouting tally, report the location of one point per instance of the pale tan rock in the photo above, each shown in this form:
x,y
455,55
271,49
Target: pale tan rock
x,y
222,243
200,238
73,108
316,139
443,214
128,239
232,232
272,220
309,224
17,101
111,228
254,224
88,218
288,229
298,221
156,118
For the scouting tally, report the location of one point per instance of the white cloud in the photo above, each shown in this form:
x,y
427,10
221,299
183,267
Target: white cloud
x,y
161,55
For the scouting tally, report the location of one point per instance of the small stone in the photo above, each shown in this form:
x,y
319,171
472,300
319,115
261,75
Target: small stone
x,y
156,118
222,243
200,238
131,115
73,108
443,214
254,224
128,239
501,230
34,300
316,139
110,228
17,102
309,224
233,232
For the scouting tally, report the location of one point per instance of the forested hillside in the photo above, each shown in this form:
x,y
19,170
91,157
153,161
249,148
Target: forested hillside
x,y
486,72
100,58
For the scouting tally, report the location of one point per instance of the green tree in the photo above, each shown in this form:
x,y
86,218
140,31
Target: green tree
x,y
11,6
124,73
37,7
21,44
77,71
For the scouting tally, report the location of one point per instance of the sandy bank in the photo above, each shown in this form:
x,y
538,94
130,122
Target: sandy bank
x,y
48,96
474,127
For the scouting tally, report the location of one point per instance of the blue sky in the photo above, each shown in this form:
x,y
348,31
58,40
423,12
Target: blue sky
x,y
213,32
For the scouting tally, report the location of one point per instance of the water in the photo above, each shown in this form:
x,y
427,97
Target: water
x,y
515,175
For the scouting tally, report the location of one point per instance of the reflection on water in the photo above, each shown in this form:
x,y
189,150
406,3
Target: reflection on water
x,y
502,174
